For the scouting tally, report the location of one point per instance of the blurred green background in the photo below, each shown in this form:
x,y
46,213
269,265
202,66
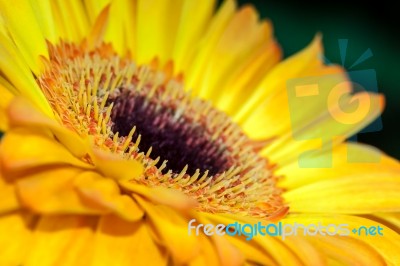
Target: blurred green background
x,y
296,23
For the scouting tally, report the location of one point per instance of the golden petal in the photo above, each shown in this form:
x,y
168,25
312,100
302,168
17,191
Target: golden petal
x,y
22,150
15,237
369,160
21,113
119,242
359,194
62,240
169,228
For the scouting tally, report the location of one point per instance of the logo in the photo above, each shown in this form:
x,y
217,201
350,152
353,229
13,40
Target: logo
x,y
280,230
346,105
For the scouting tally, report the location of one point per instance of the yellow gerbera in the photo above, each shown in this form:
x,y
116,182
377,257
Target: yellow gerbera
x,y
126,120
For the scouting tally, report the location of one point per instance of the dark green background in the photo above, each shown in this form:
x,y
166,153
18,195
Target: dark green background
x,y
365,26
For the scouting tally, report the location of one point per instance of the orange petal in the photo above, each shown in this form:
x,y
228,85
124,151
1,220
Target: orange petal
x,y
169,229
228,253
391,220
123,243
21,150
15,237
165,196
53,192
251,251
22,113
62,240
274,251
9,200
97,33
105,193
115,166
305,251
208,254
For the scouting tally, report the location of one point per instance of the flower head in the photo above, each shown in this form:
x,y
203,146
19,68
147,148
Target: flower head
x,y
126,120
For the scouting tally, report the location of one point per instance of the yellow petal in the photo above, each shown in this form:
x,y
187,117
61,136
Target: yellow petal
x,y
208,43
62,240
281,112
240,41
97,33
119,242
15,237
347,251
7,92
6,97
165,196
325,131
387,245
71,19
188,34
392,220
228,253
157,25
238,87
94,8
121,28
9,200
18,76
281,253
23,149
375,192
306,251
104,193
208,254
338,164
21,113
293,67
275,251
170,230
53,192
45,18
252,252
25,31
116,167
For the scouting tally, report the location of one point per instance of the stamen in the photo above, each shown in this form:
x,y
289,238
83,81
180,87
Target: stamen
x,y
172,136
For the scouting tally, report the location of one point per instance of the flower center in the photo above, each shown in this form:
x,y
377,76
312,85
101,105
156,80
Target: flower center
x,y
144,113
171,132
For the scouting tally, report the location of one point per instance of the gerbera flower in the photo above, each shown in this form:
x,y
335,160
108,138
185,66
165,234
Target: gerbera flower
x,y
126,120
